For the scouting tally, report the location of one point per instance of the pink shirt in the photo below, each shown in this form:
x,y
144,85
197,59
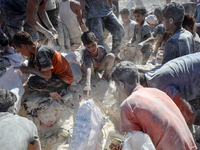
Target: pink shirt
x,y
153,112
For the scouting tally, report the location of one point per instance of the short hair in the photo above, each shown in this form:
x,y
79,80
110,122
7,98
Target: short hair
x,y
175,11
88,37
125,11
125,71
22,37
158,12
190,22
160,29
140,10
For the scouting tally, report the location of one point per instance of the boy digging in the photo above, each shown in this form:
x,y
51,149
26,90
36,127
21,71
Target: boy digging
x,y
95,56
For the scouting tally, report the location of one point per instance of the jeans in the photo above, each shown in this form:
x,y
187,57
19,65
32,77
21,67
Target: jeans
x,y
112,24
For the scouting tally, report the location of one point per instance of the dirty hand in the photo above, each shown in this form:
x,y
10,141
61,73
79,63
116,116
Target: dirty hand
x,y
87,90
83,5
24,69
139,46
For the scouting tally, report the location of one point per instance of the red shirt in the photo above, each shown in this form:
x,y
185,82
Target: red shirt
x,y
153,112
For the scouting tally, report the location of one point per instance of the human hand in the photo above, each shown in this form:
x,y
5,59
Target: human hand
x,y
139,46
83,28
24,69
87,90
83,5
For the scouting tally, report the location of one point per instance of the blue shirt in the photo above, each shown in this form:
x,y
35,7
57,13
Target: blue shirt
x,y
180,44
197,13
179,75
98,8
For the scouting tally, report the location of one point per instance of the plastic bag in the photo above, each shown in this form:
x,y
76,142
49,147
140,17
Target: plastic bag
x,y
87,132
74,60
137,140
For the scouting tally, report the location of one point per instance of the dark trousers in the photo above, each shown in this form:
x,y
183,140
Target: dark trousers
x,y
54,84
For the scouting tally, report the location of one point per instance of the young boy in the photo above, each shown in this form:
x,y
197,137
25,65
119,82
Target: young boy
x,y
129,25
181,43
52,71
95,56
151,111
142,32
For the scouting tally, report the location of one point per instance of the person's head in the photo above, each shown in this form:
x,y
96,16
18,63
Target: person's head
x,y
90,41
158,14
168,1
158,32
189,23
22,42
151,20
125,13
173,16
125,75
139,14
7,100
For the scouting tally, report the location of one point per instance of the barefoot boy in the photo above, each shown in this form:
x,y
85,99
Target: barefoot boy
x,y
95,56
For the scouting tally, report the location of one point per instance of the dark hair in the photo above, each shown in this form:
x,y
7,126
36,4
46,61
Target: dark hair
x,y
125,71
124,11
140,10
175,11
189,21
142,78
22,37
88,37
158,13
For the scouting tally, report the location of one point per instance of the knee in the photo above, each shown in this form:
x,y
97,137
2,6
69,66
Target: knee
x,y
110,56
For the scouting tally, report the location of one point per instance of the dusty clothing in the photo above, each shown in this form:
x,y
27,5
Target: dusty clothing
x,y
153,112
197,13
179,75
100,15
112,24
47,58
141,33
129,29
88,58
54,84
16,132
180,44
73,27
98,9
196,42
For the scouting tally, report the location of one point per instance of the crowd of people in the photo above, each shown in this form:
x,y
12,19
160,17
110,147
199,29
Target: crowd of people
x,y
157,101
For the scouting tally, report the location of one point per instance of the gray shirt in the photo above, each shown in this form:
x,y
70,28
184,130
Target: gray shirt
x,y
180,44
98,8
179,75
16,132
88,58
141,36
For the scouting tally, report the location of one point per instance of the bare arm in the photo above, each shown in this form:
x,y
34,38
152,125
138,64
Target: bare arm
x,y
43,15
87,89
76,8
148,40
83,5
32,8
110,2
43,74
185,109
36,146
